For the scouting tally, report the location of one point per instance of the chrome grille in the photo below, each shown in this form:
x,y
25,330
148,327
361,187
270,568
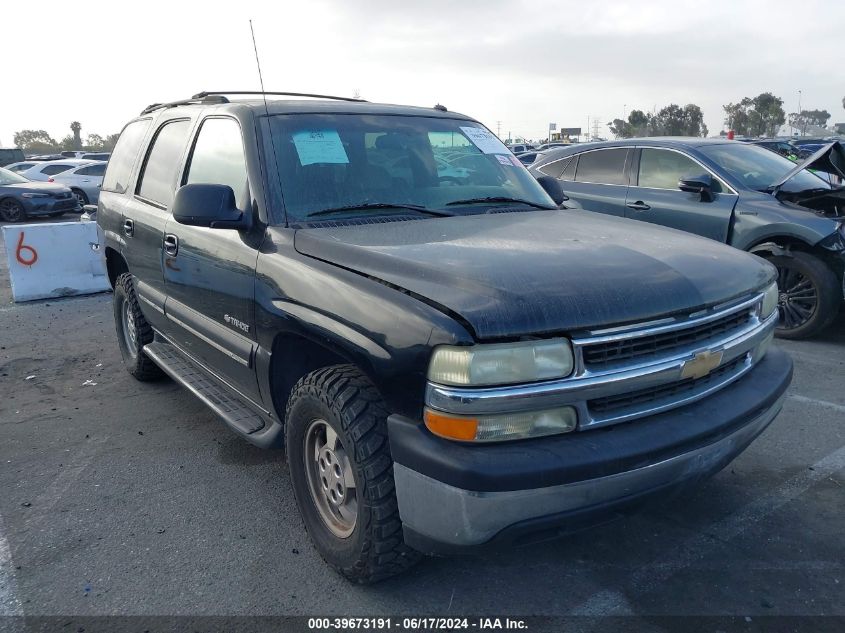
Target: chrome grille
x,y
602,407
601,356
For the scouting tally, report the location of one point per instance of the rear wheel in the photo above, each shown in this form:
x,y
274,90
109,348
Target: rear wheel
x,y
80,196
133,331
11,211
342,474
809,295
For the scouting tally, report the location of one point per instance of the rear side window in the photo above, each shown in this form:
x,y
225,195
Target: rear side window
x,y
52,170
218,157
603,166
158,179
123,157
93,170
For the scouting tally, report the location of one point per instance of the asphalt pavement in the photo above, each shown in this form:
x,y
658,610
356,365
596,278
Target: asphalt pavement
x,y
123,498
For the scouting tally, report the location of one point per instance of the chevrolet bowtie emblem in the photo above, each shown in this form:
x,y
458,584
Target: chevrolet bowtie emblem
x,y
701,364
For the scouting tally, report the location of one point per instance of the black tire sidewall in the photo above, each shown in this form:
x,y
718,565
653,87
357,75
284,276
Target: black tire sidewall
x,y
130,356
341,552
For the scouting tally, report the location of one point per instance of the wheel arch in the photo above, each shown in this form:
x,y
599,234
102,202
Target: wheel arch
x,y
115,265
295,355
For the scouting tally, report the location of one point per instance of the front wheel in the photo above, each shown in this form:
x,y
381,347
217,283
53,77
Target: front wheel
x,y
808,295
342,474
11,211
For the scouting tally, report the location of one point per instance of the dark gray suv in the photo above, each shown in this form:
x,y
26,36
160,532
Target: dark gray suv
x,y
732,192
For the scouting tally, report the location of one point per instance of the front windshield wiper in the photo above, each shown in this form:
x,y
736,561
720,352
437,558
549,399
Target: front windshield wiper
x,y
499,199
368,206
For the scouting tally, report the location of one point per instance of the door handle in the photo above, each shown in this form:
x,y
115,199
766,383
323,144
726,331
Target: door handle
x,y
128,228
171,244
639,205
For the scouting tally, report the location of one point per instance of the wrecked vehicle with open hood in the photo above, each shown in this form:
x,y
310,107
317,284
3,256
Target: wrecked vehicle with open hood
x,y
733,192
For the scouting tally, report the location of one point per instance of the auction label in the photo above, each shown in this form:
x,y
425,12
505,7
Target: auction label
x,y
485,140
319,146
417,624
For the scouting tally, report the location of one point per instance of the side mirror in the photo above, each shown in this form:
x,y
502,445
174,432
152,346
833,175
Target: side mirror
x,y
702,185
211,206
553,188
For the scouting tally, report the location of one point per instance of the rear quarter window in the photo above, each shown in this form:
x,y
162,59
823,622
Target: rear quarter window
x,y
123,157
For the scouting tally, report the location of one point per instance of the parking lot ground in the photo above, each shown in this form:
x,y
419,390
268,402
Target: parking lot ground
x,y
126,498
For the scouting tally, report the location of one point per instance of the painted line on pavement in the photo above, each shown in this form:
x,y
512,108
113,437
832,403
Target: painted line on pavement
x,y
649,577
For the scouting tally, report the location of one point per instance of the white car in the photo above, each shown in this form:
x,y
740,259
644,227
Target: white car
x,y
84,181
44,170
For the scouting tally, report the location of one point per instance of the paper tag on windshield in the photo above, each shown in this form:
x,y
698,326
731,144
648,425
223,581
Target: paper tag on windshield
x,y
319,146
504,160
484,140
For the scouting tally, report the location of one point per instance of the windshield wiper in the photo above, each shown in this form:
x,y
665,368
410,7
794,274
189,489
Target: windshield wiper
x,y
368,206
499,199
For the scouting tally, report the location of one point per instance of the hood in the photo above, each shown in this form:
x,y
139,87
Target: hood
x,y
515,274
830,160
40,187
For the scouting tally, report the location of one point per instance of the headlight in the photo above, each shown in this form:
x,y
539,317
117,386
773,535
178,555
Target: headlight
x,y
35,195
499,427
770,301
501,363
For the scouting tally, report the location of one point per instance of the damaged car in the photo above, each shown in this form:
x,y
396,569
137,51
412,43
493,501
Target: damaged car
x,y
733,192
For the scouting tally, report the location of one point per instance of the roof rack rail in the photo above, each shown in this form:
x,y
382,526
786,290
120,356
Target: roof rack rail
x,y
211,98
207,93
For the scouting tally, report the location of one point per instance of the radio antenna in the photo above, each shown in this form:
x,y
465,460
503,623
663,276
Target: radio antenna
x,y
267,112
258,63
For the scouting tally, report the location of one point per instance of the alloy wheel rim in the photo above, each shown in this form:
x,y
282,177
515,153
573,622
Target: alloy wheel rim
x,y
331,480
130,330
798,298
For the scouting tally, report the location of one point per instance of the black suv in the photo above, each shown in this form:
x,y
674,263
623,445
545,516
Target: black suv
x,y
449,364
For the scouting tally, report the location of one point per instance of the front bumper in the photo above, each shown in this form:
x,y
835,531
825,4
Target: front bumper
x,y
453,495
46,206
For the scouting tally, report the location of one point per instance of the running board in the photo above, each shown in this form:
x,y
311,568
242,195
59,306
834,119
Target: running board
x,y
234,410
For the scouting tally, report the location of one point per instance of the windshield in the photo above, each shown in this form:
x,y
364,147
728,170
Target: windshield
x,y
10,178
759,168
336,161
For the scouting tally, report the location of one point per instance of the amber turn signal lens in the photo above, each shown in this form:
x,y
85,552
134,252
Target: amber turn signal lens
x,y
449,426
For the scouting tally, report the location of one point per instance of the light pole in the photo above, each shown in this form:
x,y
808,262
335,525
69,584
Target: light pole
x,y
799,113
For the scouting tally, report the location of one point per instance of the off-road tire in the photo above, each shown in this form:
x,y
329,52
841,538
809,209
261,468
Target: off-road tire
x,y
137,363
827,288
346,399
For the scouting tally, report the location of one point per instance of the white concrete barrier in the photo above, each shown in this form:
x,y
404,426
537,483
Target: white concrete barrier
x,y
54,260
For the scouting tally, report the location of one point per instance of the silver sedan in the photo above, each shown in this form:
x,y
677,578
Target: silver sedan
x,y
85,181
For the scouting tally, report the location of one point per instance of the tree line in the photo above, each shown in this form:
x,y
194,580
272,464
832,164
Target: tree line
x,y
40,142
762,115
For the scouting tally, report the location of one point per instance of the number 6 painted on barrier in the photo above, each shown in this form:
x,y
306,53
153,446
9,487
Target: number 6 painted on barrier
x,y
25,260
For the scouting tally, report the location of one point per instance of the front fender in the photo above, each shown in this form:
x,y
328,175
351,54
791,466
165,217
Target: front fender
x,y
764,219
387,333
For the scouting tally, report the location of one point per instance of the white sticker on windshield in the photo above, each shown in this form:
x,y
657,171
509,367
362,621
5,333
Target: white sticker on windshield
x,y
484,140
319,146
504,160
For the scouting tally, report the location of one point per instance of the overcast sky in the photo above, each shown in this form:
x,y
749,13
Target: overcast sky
x,y
524,63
